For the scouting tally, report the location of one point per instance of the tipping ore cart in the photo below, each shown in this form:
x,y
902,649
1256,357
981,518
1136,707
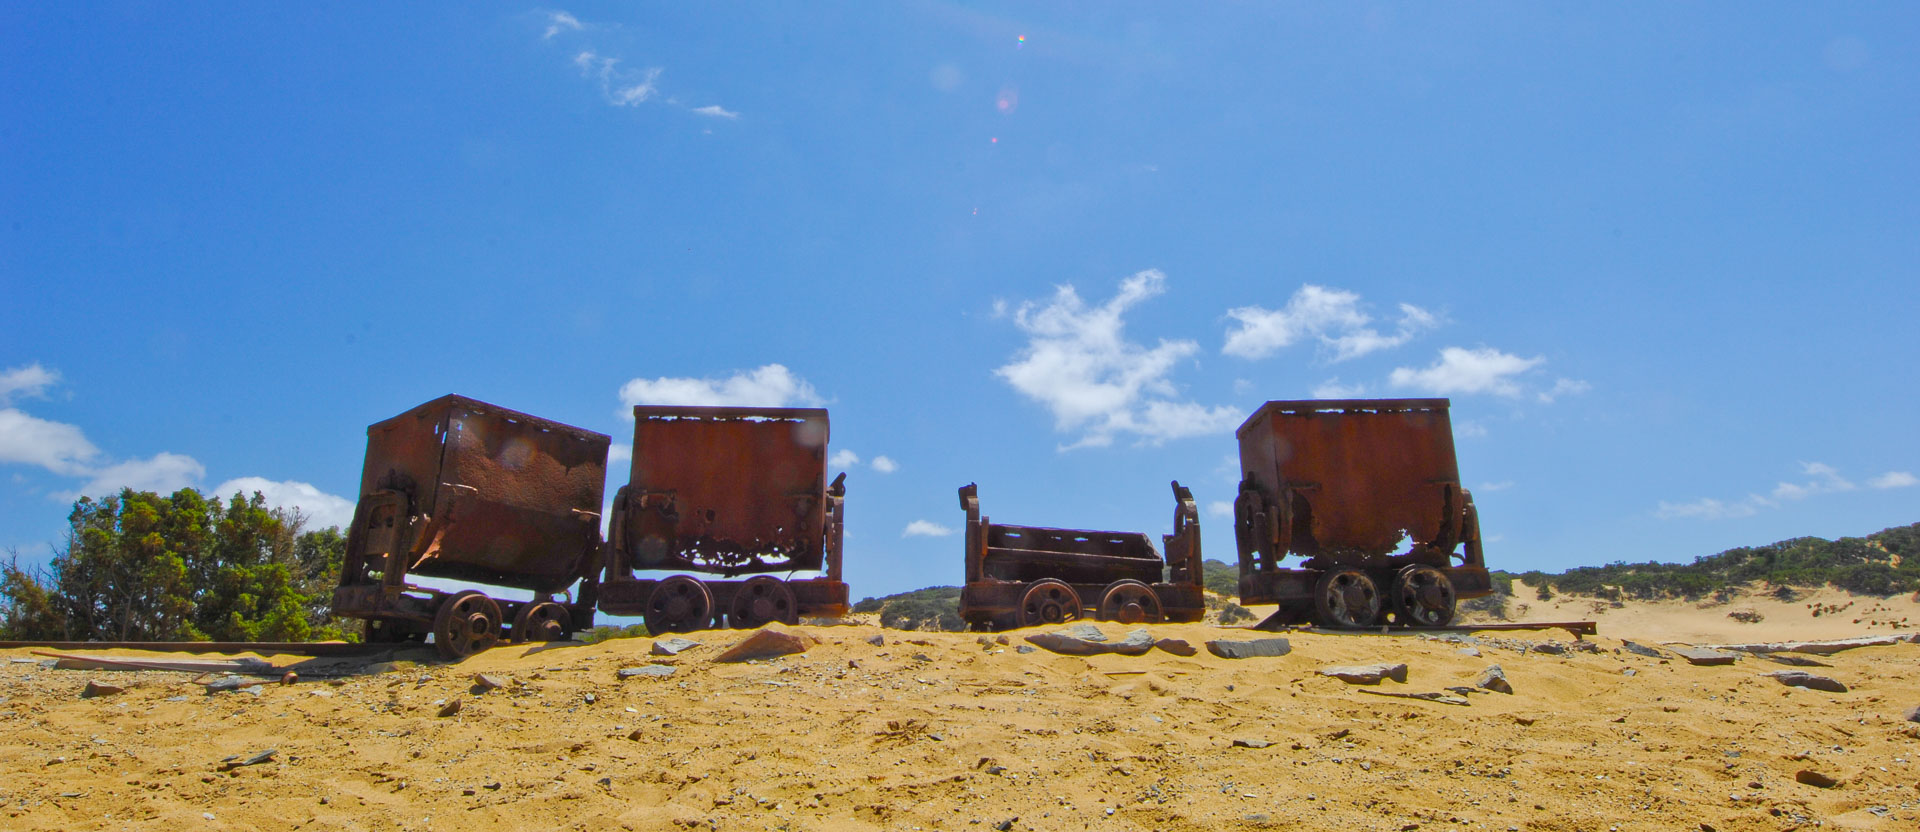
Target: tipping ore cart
x,y
728,491
1022,576
460,489
1342,483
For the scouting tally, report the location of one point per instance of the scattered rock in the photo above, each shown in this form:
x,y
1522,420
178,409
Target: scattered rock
x,y
1803,679
1472,652
1493,679
1136,643
1551,648
1066,644
1257,648
1704,657
675,646
226,684
1250,743
1176,646
1912,714
1001,640
589,699
1815,779
1628,671
1083,630
1003,826
877,640
1366,674
1642,650
1024,648
655,670
452,707
236,761
483,682
100,689
1795,661
766,644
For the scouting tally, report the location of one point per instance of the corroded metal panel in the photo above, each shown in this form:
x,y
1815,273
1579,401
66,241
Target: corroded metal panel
x,y
727,490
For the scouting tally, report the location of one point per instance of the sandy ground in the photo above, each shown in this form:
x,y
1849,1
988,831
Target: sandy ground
x,y
936,731
1817,614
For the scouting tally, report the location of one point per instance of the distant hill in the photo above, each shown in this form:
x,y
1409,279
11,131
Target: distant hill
x,y
1884,563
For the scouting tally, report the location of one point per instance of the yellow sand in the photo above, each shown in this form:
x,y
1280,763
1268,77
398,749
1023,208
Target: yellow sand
x,y
931,731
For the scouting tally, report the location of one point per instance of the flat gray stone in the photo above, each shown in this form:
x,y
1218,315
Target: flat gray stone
x,y
1642,650
1136,643
1803,679
1067,645
1551,648
877,640
483,682
1493,679
1824,648
1473,652
1083,630
1023,648
1704,657
672,646
1256,648
94,689
654,670
1366,674
1249,742
1176,646
1442,698
1792,660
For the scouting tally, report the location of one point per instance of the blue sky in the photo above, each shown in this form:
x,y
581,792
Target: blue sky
x,y
1662,257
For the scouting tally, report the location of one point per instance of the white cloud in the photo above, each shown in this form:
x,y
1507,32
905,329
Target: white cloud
x,y
1220,508
770,386
1470,429
163,473
1708,508
620,87
1333,389
321,509
619,453
844,458
1079,364
885,465
1825,480
926,528
558,22
1333,316
716,111
1564,387
1460,370
1894,479
57,447
1490,487
30,380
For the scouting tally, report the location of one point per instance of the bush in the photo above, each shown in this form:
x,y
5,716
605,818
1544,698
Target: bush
x,y
1232,613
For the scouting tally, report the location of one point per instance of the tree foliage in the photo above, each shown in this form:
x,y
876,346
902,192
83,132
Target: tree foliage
x,y
1883,563
142,567
932,608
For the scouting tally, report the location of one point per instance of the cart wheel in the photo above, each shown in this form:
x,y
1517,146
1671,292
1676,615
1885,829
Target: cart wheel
x,y
545,621
1130,602
1346,599
761,600
466,624
1048,602
1423,597
680,604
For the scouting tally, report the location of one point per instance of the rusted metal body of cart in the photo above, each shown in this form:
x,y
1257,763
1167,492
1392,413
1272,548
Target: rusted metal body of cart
x,y
1345,484
463,490
726,491
1022,576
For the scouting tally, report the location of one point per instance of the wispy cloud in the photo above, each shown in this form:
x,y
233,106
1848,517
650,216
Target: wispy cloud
x,y
1335,317
558,22
322,510
844,458
31,380
1079,363
926,528
717,111
1490,487
163,473
1563,387
770,386
620,87
1220,508
1821,479
55,446
1333,389
885,465
1460,370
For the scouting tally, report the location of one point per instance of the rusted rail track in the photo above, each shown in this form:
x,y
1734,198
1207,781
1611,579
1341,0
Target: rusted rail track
x,y
287,648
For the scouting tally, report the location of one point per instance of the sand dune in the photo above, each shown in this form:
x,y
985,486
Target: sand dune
x,y
935,731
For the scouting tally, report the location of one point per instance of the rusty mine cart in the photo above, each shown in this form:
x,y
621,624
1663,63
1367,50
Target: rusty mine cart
x,y
463,490
728,491
1341,484
1022,576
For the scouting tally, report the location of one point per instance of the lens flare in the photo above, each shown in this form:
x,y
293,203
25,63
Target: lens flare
x,y
1007,101
1020,41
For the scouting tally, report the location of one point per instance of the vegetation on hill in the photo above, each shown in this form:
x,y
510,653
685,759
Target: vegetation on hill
x,y
1883,563
932,608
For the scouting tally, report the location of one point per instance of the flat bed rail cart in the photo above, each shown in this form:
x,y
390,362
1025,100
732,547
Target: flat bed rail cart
x,y
464,490
726,491
1023,576
1341,483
